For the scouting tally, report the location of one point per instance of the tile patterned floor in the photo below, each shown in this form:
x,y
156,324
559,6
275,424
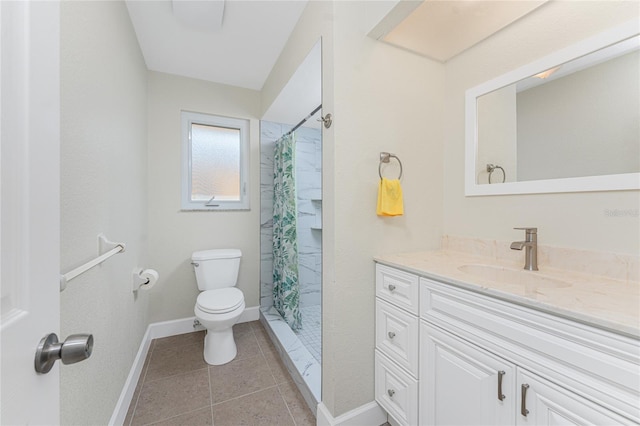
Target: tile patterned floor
x,y
311,332
177,387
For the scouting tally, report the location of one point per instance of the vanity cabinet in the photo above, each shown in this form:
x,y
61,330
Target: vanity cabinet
x,y
487,361
556,371
461,384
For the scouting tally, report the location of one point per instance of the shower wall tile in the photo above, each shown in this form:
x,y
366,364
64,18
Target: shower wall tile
x,y
307,182
270,131
310,194
309,187
305,155
305,207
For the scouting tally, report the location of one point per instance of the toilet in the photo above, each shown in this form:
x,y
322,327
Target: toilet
x,y
220,303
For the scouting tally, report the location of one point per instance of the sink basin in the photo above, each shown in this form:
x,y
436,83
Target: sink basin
x,y
500,274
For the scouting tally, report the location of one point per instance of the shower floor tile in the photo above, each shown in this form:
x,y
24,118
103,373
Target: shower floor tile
x,y
310,334
176,387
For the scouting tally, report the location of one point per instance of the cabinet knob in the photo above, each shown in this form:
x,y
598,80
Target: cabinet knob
x,y
391,334
391,392
391,287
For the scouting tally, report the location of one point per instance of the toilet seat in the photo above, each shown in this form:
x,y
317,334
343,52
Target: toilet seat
x,y
220,301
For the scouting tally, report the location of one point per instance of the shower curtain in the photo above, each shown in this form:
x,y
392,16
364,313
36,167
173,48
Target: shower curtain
x,y
286,289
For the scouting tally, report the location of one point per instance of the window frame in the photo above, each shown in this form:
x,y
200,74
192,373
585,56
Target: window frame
x,y
188,118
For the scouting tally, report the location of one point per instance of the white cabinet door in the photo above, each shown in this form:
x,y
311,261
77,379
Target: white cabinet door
x,y
541,403
461,384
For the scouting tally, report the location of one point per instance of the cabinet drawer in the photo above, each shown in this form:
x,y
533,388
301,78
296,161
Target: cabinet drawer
x,y
397,287
599,365
397,335
396,391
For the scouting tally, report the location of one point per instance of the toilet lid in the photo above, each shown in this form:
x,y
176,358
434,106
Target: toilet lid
x,y
220,301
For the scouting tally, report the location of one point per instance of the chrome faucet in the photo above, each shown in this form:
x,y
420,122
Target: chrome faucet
x,y
531,248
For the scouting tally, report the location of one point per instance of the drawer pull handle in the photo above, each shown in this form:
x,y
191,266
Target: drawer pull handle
x,y
391,334
501,374
391,392
523,407
391,287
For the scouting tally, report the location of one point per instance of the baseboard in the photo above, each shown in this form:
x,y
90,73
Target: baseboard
x,y
250,314
122,406
156,331
369,414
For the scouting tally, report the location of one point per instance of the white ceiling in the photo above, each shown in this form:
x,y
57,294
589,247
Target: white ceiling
x,y
442,29
240,53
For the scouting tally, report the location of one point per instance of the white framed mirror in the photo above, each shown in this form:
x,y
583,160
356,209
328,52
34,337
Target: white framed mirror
x,y
568,122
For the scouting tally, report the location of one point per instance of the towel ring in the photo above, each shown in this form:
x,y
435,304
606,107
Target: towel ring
x,y
385,158
492,168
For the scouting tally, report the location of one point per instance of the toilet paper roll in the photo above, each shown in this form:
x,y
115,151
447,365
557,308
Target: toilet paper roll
x,y
151,275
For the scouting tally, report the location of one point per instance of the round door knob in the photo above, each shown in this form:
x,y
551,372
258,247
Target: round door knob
x,y
391,392
75,348
391,334
392,287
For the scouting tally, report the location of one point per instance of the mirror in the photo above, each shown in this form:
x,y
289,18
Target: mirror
x,y
565,123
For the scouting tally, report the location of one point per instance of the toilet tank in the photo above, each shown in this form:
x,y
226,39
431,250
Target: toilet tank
x,y
216,268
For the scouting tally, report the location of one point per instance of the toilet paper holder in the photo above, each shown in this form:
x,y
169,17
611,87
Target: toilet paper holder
x,y
143,278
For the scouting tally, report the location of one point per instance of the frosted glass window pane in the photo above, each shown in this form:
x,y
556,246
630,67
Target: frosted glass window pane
x,y
215,163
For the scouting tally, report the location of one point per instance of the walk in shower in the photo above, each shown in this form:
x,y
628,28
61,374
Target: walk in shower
x,y
293,316
291,225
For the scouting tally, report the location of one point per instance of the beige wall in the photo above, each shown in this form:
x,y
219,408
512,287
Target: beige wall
x,y
383,99
577,220
175,234
103,189
390,100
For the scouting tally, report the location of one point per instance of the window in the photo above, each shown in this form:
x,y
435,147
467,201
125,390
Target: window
x,y
215,154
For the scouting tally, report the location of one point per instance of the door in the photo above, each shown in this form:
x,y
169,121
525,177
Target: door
x,y
461,384
29,207
542,403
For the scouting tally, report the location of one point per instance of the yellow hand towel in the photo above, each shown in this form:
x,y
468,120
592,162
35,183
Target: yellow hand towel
x,y
390,198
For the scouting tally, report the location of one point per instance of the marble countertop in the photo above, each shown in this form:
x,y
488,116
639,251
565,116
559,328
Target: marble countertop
x,y
598,301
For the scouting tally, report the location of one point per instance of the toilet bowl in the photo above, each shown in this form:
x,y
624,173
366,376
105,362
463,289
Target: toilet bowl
x,y
220,304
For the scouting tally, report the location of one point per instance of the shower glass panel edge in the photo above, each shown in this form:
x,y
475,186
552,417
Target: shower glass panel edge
x,y
300,351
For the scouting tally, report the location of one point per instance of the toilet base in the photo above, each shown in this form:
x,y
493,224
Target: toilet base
x,y
219,347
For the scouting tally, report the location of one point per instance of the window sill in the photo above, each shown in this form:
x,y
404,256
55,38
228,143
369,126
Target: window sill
x,y
239,209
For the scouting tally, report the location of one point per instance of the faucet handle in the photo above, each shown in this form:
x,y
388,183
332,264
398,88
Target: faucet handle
x,y
528,230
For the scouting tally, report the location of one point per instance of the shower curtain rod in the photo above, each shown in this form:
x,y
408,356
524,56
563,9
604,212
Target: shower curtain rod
x,y
304,120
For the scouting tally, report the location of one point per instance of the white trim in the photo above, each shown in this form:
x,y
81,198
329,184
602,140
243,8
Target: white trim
x,y
250,314
155,331
122,406
627,181
370,414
